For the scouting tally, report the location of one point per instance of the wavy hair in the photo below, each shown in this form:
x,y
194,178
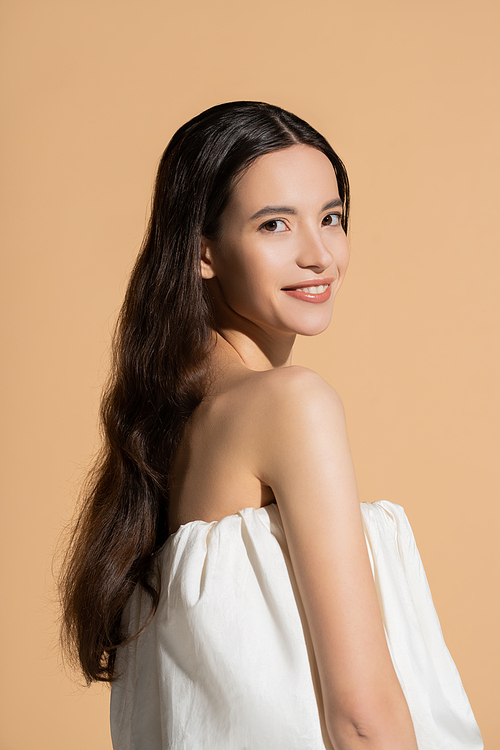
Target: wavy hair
x,y
160,372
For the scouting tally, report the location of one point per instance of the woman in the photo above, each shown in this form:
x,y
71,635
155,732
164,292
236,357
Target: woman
x,y
222,571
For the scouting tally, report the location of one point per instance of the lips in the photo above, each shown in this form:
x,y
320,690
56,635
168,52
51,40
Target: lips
x,y
308,283
305,295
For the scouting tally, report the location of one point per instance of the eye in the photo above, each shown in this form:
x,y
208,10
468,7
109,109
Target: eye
x,y
275,225
331,220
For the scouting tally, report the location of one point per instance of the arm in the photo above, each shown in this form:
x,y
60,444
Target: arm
x,y
305,458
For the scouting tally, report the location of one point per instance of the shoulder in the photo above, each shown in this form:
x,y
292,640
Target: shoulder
x,y
299,392
299,421
273,417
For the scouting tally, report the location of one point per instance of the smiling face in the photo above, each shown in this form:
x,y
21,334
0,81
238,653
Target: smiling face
x,y
280,233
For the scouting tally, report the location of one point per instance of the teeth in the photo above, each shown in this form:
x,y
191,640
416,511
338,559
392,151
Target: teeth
x,y
313,289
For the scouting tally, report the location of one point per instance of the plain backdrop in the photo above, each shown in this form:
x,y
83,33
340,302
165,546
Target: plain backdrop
x,y
408,94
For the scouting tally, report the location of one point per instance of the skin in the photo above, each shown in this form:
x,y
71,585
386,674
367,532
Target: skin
x,y
270,430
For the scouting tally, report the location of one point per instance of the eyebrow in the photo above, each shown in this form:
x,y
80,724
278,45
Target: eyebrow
x,y
291,211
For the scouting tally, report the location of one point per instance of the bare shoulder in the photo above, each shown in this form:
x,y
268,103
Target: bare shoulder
x,y
296,393
298,420
295,384
276,423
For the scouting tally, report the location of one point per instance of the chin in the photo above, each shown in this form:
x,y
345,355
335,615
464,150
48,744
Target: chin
x,y
311,332
314,323
312,327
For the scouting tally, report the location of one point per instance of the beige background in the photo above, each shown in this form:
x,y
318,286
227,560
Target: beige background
x,y
408,94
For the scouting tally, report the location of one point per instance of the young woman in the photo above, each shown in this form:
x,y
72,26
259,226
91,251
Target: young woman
x,y
223,574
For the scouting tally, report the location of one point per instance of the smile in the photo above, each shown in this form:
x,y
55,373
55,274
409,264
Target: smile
x,y
317,294
313,289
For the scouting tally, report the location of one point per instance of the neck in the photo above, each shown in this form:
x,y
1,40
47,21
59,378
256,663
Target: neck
x,y
262,352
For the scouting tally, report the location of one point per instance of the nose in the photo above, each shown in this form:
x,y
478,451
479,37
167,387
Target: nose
x,y
313,252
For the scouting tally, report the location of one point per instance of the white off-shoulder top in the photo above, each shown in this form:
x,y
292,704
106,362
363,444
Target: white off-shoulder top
x,y
227,663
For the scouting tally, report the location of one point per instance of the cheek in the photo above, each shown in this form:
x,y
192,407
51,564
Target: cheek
x,y
249,283
249,272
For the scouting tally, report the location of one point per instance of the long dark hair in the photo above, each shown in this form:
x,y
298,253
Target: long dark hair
x,y
160,371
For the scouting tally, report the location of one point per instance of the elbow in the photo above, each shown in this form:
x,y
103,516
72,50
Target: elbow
x,y
372,727
349,733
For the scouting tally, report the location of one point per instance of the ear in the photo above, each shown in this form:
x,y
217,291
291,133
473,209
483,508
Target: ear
x,y
207,259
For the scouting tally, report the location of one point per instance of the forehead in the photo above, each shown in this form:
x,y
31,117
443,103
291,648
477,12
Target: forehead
x,y
295,176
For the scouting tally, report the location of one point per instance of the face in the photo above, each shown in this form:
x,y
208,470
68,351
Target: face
x,y
281,254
